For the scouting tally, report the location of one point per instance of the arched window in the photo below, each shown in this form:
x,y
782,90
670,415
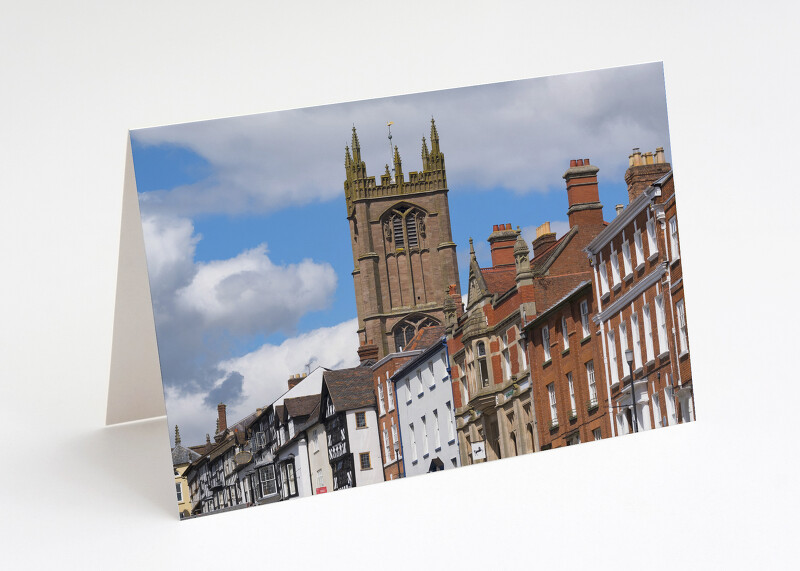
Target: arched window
x,y
405,227
407,328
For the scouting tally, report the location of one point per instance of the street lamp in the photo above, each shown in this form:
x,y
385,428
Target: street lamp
x,y
629,359
397,456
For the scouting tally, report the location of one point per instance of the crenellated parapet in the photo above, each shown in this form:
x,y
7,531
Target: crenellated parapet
x,y
358,186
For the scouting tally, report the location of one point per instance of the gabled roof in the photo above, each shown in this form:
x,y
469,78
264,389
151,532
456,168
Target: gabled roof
x,y
542,261
350,388
500,279
426,337
301,406
181,455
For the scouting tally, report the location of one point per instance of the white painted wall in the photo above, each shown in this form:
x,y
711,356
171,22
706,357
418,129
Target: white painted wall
x,y
318,460
437,393
365,440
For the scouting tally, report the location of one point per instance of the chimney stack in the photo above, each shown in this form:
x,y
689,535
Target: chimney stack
x,y
620,208
544,236
501,242
368,351
643,170
222,420
583,195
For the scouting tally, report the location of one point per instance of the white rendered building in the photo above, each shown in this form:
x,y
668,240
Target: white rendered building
x,y
424,397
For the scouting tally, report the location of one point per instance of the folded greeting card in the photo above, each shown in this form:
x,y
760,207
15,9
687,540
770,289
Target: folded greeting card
x,y
350,294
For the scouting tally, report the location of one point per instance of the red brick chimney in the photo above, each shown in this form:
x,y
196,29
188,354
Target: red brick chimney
x,y
644,170
222,420
582,194
501,242
368,351
544,237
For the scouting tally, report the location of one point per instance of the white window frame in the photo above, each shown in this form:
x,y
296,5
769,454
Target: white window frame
x,y
661,325
386,444
564,333
639,248
612,356
320,478
623,345
546,343
603,278
597,434
425,447
590,380
389,393
381,406
394,439
551,393
315,441
652,241
648,333
656,411
615,267
626,258
683,337
420,387
430,372
637,342
673,238
179,490
573,406
451,431
437,437
585,319
413,438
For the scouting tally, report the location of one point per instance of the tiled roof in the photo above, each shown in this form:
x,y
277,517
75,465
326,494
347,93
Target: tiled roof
x,y
301,406
350,388
181,455
426,337
499,280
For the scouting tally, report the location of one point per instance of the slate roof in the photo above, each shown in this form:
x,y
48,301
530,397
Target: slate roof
x,y
350,388
181,455
499,280
544,259
426,337
301,406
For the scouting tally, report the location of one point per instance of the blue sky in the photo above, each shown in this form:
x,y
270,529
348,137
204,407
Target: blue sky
x,y
245,229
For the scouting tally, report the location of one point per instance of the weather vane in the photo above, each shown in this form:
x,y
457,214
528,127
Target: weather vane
x,y
391,150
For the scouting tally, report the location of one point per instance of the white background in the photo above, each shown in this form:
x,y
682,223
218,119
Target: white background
x,y
720,493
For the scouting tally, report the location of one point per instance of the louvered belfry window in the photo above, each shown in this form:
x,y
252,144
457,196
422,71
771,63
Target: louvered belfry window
x,y
404,227
411,230
397,225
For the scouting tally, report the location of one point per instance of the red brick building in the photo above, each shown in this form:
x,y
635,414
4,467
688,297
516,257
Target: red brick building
x,y
565,354
489,368
382,372
640,302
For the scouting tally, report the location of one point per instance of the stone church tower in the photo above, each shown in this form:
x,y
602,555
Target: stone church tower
x,y
403,250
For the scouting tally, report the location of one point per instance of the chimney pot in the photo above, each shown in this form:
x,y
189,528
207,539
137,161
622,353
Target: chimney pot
x,y
620,208
573,163
586,162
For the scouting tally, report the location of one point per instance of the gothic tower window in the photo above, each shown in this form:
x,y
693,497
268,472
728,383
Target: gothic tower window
x,y
405,227
407,328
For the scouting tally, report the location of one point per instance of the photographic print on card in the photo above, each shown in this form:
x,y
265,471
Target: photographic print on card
x,y
349,294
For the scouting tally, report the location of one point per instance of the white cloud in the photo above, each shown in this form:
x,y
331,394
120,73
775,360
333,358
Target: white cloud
x,y
264,373
201,307
519,135
249,293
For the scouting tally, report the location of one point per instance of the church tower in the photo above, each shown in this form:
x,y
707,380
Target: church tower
x,y
404,256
